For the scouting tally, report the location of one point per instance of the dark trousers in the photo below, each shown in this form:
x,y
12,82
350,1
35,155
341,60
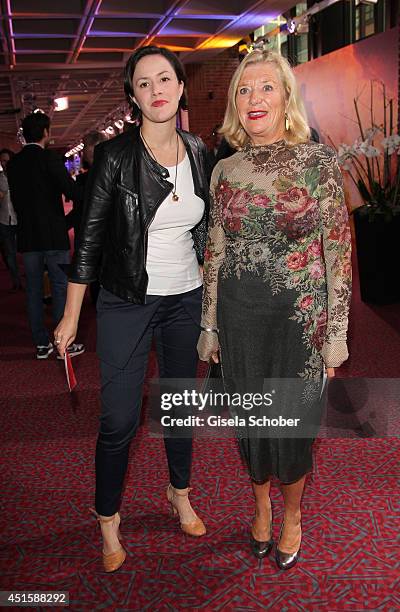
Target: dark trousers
x,y
125,333
8,239
34,262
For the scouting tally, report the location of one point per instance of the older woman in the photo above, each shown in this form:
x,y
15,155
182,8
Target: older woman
x,y
277,276
142,235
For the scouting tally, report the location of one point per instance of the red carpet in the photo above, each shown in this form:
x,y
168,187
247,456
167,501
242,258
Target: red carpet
x,y
49,541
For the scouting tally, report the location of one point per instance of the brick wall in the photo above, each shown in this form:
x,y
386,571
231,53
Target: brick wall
x,y
207,91
9,141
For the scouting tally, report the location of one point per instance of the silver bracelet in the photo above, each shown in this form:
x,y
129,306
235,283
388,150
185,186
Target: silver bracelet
x,y
209,329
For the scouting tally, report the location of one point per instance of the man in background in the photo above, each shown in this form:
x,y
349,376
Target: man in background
x,y
37,179
8,223
220,150
74,218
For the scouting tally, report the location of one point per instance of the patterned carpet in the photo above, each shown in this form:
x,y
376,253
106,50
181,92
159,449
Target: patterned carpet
x,y
49,541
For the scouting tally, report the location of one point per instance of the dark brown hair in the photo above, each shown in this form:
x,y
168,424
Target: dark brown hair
x,y
130,69
34,125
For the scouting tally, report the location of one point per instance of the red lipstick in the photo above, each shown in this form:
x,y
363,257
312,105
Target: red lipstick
x,y
256,114
159,102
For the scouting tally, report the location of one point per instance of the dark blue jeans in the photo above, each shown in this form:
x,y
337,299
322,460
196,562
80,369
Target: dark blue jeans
x,y
34,262
8,238
126,330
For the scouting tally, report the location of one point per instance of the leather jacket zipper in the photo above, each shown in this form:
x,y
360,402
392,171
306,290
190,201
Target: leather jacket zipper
x,y
145,237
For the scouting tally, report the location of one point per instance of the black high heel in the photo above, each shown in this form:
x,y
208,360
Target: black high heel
x,y
286,560
261,549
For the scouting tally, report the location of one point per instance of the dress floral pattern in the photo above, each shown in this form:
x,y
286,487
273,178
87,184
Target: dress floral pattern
x,y
278,214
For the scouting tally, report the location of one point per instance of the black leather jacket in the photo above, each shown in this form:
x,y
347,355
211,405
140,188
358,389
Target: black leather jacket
x,y
125,188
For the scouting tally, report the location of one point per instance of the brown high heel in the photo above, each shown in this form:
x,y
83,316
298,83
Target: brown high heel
x,y
114,560
194,528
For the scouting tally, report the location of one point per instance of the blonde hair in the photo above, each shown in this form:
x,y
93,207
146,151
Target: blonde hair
x,y
298,126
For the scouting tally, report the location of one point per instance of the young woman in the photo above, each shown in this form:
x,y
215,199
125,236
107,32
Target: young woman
x,y
143,235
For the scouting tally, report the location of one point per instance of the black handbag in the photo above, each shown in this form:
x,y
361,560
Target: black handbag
x,y
213,378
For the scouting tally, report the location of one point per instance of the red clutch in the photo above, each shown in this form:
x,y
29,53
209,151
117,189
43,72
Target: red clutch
x,y
69,371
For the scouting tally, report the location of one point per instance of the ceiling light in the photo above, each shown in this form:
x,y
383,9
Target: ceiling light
x,y
61,104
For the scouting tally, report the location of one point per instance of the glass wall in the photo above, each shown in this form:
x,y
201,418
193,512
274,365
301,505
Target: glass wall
x,y
365,22
301,37
275,34
341,23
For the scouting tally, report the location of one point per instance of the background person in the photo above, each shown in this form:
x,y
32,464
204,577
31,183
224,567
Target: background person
x,y
38,178
74,218
220,149
277,272
143,235
8,222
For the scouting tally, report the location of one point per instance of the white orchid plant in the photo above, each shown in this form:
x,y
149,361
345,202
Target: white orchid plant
x,y
373,161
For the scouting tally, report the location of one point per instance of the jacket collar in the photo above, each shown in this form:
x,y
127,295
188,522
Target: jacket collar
x,y
158,172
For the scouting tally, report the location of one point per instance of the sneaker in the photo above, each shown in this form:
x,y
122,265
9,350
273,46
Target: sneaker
x,y
17,286
74,350
42,352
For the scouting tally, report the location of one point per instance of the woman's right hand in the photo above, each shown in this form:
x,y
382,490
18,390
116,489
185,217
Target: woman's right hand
x,y
65,333
208,346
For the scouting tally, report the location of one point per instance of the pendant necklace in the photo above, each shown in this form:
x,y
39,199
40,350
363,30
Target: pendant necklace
x,y
175,196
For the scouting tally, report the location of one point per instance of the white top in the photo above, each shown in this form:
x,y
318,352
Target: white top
x,y
171,259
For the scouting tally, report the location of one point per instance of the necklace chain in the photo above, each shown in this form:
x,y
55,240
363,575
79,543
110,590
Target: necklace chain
x,y
175,196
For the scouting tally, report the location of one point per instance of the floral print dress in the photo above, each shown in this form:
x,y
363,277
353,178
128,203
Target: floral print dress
x,y
277,281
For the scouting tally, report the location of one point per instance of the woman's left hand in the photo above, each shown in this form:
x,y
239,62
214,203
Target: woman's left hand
x,y
330,372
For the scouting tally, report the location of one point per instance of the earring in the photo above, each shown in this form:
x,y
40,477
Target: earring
x,y
132,99
287,122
